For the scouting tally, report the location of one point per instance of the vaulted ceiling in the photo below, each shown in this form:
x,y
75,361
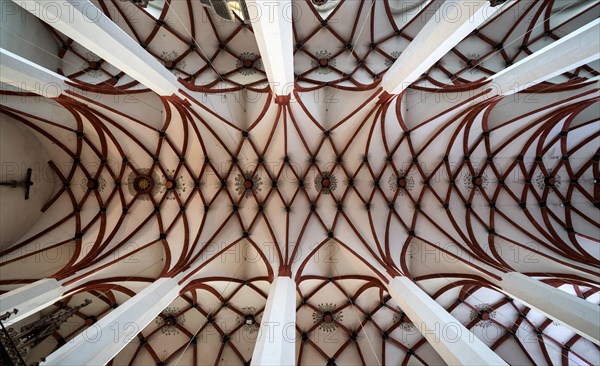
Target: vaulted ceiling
x,y
338,187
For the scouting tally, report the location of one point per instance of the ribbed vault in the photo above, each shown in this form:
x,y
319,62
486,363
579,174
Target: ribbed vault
x,y
337,185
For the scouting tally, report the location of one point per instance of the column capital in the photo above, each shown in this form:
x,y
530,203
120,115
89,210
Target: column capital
x,y
283,99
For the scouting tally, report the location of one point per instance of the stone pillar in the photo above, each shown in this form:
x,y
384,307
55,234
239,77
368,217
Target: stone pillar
x,y
272,27
82,21
21,73
578,48
452,341
30,298
577,314
276,343
101,342
452,23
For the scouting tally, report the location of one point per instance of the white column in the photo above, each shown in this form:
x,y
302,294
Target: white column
x,y
452,22
21,73
578,48
577,314
452,341
272,26
101,342
30,299
276,343
86,24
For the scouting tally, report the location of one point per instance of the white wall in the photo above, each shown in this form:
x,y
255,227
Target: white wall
x,y
20,149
